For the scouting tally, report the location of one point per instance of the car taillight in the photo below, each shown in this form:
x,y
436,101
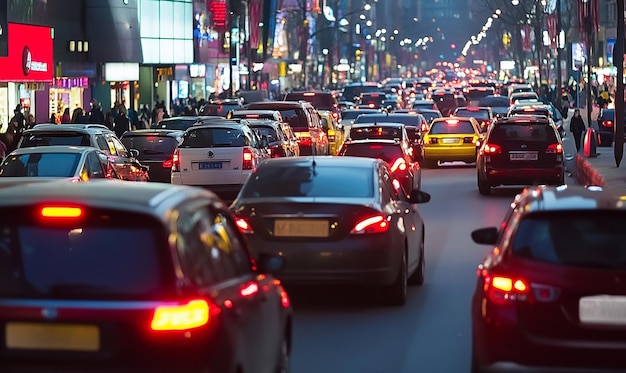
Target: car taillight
x,y
607,123
399,164
430,140
492,149
176,161
250,289
371,105
284,298
372,224
167,163
470,140
247,159
61,212
305,140
193,314
554,149
335,115
502,289
243,225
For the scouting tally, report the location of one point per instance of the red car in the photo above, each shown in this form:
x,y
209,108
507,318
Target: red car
x,y
550,296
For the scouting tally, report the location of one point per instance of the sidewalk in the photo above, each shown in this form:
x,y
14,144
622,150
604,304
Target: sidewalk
x,y
601,170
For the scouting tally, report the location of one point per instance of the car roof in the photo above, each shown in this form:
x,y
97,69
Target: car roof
x,y
54,149
372,141
325,160
75,127
276,105
156,199
154,132
568,197
524,119
378,124
220,124
255,112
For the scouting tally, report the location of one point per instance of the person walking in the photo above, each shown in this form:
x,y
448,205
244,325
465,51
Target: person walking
x,y
577,127
122,124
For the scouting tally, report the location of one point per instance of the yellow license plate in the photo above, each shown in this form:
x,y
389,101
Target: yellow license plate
x,y
64,337
300,228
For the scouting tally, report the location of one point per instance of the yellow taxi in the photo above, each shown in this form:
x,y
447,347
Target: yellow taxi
x,y
333,131
451,139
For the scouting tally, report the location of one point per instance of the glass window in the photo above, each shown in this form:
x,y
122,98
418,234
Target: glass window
x,y
214,137
40,164
95,168
524,132
445,128
298,181
49,139
234,247
371,132
268,131
476,114
119,147
102,143
296,118
387,152
151,144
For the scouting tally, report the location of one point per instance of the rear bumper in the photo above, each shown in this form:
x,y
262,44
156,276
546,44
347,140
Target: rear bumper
x,y
524,176
450,153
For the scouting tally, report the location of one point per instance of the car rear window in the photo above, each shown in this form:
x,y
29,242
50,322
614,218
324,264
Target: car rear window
x,y
49,139
219,109
296,118
372,99
298,181
214,138
375,132
268,131
151,144
40,164
176,124
430,115
319,101
352,114
590,239
444,128
106,256
349,93
476,114
523,132
387,152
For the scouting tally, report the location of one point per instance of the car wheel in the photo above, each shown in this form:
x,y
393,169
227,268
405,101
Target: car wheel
x,y
396,293
285,356
417,278
429,163
483,187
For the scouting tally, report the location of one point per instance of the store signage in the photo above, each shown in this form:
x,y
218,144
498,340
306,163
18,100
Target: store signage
x,y
164,73
69,83
197,71
219,13
4,30
30,57
34,86
121,71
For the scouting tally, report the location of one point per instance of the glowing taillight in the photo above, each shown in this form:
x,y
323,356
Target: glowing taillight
x,y
607,123
243,225
371,105
373,224
335,115
554,149
284,298
249,289
167,163
247,159
399,164
181,317
492,149
61,212
176,161
501,289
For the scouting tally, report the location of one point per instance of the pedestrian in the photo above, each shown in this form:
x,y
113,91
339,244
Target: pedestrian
x,y
66,118
577,127
31,122
19,117
95,114
122,124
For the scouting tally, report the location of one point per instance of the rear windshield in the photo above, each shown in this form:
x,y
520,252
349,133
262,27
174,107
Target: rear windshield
x,y
176,124
476,114
386,133
476,93
430,115
319,101
214,138
151,145
351,114
48,139
268,131
217,109
387,152
40,164
409,120
298,181
591,239
349,93
523,132
423,105
296,118
491,101
444,128
103,259
372,99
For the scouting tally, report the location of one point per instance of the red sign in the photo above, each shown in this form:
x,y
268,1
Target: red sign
x,y
30,55
220,14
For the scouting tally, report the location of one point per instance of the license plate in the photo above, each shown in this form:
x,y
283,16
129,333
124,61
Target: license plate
x,y
209,165
603,309
450,140
64,337
300,228
523,156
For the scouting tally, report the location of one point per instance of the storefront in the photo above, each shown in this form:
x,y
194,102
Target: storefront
x,y
27,72
68,93
122,80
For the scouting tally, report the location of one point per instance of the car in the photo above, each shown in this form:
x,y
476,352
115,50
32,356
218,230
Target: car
x,y
371,100
221,107
321,100
155,148
413,123
74,163
517,96
519,87
606,124
424,104
549,295
305,122
499,104
400,159
451,139
333,129
349,115
218,155
483,115
127,277
335,220
520,150
123,161
180,123
538,108
352,91
279,144
472,93
256,114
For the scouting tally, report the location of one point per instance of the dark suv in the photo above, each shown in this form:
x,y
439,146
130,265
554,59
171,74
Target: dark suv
x,y
323,101
107,276
520,150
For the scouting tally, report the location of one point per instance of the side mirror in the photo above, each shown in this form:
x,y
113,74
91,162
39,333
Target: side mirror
x,y
485,236
418,196
271,264
134,153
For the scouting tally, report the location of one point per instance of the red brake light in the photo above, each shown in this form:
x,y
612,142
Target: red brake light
x,y
194,314
61,212
374,147
452,122
249,289
167,163
554,149
607,123
373,224
176,161
371,105
247,159
308,94
492,149
501,289
284,298
253,116
335,115
399,164
243,225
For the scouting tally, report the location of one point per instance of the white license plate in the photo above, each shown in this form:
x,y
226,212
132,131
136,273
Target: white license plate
x,y
523,156
300,228
450,140
60,337
602,309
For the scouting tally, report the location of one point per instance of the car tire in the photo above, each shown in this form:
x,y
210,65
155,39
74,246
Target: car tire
x,y
483,188
282,366
396,293
417,277
429,163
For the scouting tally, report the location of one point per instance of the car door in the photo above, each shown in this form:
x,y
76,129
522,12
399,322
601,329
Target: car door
x,y
133,169
94,167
